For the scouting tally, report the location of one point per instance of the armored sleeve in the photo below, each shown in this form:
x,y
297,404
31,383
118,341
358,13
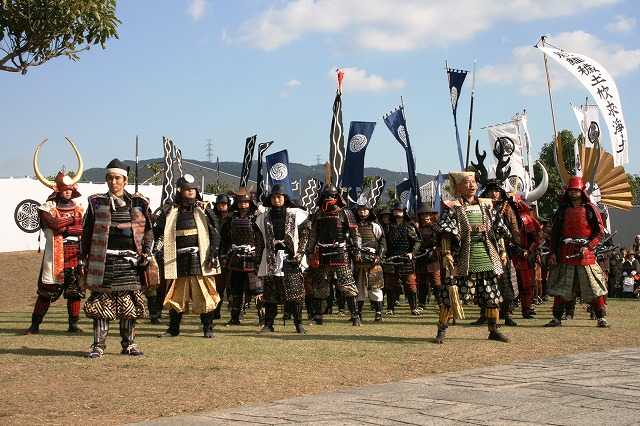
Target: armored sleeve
x,y
214,234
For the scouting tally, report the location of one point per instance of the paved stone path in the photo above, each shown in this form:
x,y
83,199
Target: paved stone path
x,y
591,388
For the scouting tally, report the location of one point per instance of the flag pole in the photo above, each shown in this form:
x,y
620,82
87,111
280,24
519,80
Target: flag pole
x,y
473,85
562,171
414,178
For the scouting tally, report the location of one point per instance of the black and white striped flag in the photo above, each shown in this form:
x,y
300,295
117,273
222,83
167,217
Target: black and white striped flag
x,y
248,158
310,193
261,192
336,149
377,186
167,178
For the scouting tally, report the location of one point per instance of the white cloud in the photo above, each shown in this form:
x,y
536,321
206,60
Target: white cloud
x,y
399,26
357,80
621,24
526,65
197,9
293,83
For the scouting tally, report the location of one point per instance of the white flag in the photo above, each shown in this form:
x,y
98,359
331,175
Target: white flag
x,y
604,90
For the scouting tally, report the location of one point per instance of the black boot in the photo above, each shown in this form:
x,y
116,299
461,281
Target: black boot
x,y
412,298
236,307
318,309
36,320
207,324
73,325
175,318
296,312
495,334
270,313
508,320
556,321
442,330
308,303
482,319
391,302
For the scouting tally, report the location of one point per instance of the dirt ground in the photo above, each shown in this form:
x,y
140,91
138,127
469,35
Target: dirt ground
x,y
46,378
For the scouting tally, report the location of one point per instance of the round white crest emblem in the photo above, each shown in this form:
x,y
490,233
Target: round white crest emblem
x,y
402,134
357,142
278,171
404,196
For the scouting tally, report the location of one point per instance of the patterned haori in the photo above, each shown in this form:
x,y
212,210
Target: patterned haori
x,y
472,230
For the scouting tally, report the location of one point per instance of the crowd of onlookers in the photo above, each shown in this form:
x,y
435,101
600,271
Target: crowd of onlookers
x,y
624,275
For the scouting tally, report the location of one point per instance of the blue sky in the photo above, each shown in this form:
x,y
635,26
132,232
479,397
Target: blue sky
x,y
195,70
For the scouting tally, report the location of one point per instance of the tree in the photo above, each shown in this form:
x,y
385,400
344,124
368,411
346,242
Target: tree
x,y
216,188
549,201
35,31
156,168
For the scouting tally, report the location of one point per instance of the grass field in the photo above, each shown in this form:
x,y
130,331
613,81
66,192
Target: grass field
x,y
45,378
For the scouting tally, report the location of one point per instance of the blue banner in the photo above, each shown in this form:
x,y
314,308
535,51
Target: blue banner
x,y
360,133
404,193
278,170
456,79
396,123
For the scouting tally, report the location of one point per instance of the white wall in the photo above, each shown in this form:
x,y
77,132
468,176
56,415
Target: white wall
x,y
14,191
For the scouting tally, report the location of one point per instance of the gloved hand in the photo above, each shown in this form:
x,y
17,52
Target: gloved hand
x,y
81,269
143,262
213,262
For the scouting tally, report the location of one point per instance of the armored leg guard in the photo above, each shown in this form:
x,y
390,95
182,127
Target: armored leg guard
x,y
308,303
412,297
175,318
355,319
340,299
236,307
127,334
271,311
443,319
297,317
319,306
207,324
39,311
360,306
494,332
152,304
378,309
73,309
100,332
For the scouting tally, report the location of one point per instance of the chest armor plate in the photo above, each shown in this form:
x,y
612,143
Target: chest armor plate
x,y
397,240
120,232
242,231
367,235
185,221
330,229
575,223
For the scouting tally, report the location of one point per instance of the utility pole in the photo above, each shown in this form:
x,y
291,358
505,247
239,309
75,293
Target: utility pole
x,y
209,150
317,159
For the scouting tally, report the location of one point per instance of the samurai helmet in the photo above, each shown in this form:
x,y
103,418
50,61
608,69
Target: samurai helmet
x,y
62,181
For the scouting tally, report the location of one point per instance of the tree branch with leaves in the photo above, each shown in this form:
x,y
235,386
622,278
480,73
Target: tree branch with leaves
x,y
35,31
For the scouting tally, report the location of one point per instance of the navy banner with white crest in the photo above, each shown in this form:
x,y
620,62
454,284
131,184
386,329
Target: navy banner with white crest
x,y
278,170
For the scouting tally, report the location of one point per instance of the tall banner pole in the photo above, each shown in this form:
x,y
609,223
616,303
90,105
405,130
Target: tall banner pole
x,y
473,85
